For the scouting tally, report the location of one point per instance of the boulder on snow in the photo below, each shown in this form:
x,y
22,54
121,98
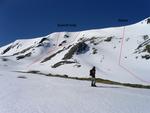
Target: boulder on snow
x,y
148,21
7,49
79,48
108,39
23,56
43,42
43,39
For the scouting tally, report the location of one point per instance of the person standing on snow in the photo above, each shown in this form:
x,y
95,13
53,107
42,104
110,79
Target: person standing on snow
x,y
92,74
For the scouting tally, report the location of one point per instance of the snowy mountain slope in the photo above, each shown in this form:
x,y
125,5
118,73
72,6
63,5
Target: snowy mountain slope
x,y
28,93
120,53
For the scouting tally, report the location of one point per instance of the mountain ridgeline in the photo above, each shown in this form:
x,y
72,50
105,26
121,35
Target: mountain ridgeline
x,y
120,54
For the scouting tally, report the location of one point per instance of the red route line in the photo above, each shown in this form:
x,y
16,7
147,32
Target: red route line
x,y
133,74
53,49
121,45
64,44
50,50
130,72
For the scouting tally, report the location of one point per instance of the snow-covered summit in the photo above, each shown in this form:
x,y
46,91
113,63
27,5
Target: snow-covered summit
x,y
119,53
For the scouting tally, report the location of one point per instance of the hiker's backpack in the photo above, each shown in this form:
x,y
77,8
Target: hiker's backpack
x,y
91,72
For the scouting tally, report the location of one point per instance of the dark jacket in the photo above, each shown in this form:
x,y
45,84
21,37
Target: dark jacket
x,y
92,72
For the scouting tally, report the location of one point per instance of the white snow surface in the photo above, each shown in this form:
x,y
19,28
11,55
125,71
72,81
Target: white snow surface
x,y
42,94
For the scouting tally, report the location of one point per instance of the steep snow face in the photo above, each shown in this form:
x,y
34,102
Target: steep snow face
x,y
119,53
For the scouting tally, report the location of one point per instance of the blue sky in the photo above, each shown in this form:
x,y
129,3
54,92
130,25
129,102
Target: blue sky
x,y
35,18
